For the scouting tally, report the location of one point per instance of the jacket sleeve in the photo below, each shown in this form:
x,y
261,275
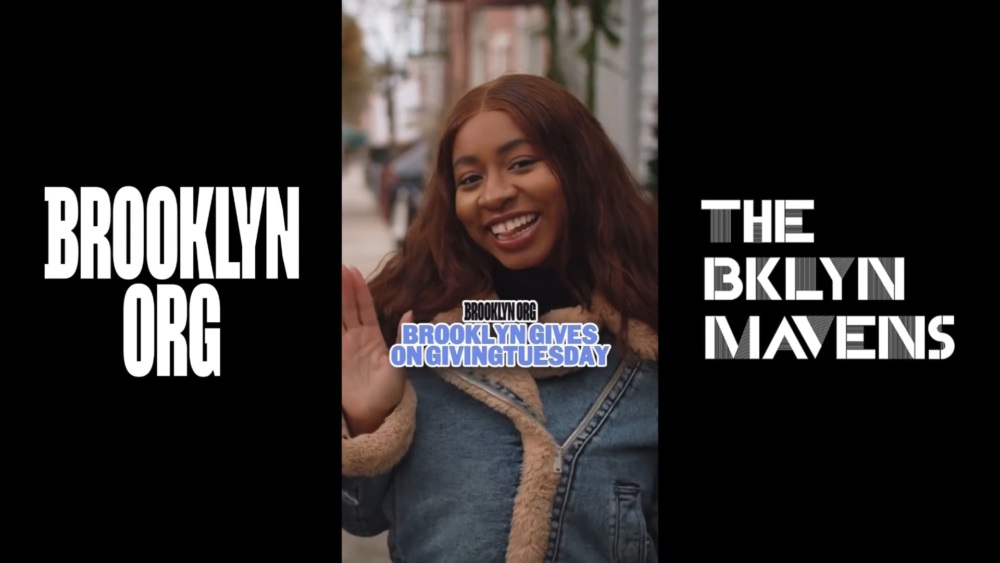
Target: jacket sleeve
x,y
367,462
361,505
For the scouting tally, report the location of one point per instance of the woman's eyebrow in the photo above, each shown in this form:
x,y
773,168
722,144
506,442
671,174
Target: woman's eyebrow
x,y
506,147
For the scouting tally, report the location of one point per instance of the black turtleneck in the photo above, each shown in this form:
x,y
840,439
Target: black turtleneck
x,y
538,284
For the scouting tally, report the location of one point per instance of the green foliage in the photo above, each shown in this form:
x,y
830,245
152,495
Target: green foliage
x,y
603,22
551,32
602,19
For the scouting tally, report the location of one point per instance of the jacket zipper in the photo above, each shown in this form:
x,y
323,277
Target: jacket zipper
x,y
558,466
496,394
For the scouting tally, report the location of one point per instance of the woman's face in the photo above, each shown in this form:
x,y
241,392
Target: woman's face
x,y
508,198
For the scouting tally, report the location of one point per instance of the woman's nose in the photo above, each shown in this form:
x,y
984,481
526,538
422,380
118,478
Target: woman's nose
x,y
497,192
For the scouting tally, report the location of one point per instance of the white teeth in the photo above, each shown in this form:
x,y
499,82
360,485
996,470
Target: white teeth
x,y
512,224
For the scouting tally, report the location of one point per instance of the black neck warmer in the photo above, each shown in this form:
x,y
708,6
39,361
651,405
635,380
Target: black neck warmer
x,y
537,284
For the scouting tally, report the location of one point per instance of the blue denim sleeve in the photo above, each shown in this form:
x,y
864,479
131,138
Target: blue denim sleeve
x,y
361,504
367,464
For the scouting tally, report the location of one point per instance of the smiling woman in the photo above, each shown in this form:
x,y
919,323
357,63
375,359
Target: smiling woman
x,y
528,200
496,166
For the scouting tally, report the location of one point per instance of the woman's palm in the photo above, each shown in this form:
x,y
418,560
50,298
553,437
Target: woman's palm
x,y
371,387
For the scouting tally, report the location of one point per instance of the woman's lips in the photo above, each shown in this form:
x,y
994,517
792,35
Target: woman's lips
x,y
517,239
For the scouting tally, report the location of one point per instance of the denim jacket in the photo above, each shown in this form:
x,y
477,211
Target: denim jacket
x,y
482,472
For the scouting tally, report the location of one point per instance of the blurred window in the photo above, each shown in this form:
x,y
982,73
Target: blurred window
x,y
499,61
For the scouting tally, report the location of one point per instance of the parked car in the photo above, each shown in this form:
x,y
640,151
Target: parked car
x,y
401,185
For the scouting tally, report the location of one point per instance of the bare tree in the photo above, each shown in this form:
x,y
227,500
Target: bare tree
x,y
356,80
389,73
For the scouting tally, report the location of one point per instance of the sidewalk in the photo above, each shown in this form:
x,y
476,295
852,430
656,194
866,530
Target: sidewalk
x,y
366,242
366,236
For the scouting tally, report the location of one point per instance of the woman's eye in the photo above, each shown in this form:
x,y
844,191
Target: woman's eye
x,y
469,180
522,163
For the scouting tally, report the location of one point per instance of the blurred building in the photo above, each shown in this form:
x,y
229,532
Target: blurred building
x,y
466,43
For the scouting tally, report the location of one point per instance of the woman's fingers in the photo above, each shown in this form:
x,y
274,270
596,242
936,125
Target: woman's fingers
x,y
348,299
363,296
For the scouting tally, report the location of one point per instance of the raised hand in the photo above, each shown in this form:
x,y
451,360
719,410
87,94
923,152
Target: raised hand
x,y
371,388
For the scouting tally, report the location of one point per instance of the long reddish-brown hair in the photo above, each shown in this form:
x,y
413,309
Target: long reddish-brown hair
x,y
609,242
